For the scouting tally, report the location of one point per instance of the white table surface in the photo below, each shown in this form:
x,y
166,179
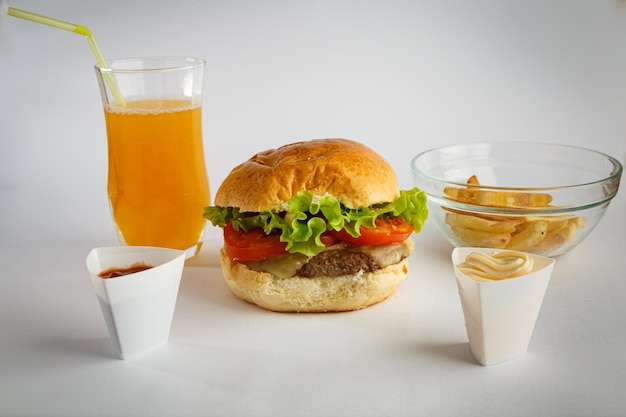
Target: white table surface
x,y
400,76
406,356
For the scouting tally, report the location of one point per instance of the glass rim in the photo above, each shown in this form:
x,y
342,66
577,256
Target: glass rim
x,y
613,176
153,64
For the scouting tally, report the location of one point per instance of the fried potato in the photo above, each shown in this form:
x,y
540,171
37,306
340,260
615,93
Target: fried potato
x,y
578,222
473,180
507,199
549,242
537,234
472,195
554,223
462,195
567,230
480,224
481,239
532,234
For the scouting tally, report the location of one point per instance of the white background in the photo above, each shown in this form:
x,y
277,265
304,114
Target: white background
x,y
399,76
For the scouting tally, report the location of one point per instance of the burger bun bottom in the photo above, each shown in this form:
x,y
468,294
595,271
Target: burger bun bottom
x,y
312,295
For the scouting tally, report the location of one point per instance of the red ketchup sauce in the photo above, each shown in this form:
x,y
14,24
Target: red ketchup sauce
x,y
118,272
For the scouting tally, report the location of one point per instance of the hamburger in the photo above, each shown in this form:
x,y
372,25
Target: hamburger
x,y
315,226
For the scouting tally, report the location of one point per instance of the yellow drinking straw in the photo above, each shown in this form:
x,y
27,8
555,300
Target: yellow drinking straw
x,y
81,30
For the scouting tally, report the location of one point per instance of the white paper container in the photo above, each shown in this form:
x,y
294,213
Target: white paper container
x,y
138,308
500,315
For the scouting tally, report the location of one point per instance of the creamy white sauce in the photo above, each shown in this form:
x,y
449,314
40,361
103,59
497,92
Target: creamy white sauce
x,y
496,266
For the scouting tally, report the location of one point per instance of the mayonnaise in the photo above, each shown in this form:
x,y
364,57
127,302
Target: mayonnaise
x,y
496,266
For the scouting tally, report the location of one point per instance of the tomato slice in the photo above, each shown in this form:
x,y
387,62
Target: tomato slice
x,y
255,245
387,231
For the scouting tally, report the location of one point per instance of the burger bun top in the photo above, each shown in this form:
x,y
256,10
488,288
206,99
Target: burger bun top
x,y
347,170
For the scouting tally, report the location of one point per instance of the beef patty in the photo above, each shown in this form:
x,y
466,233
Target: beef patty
x,y
334,263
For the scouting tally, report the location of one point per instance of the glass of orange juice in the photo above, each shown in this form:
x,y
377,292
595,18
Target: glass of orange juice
x,y
157,180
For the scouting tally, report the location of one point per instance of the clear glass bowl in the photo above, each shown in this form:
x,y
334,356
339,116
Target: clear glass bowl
x,y
534,197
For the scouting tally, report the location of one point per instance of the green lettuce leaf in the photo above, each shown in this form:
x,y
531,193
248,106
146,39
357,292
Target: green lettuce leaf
x,y
307,217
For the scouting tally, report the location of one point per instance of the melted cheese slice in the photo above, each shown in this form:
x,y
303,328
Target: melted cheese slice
x,y
286,266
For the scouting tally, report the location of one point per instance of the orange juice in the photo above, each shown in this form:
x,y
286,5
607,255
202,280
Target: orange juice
x,y
157,181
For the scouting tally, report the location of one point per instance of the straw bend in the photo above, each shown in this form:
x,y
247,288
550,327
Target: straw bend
x,y
79,29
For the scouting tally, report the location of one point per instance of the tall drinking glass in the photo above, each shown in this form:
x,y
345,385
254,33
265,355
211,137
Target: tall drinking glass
x,y
157,180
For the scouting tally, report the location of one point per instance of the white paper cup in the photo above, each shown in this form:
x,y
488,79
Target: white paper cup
x,y
138,308
500,315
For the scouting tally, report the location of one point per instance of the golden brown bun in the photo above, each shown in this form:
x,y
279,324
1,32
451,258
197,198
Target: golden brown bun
x,y
312,295
347,170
